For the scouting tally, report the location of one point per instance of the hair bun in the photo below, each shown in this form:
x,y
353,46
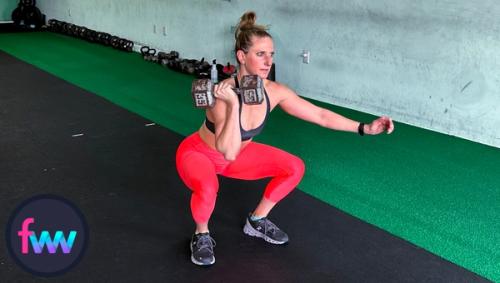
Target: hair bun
x,y
248,19
247,23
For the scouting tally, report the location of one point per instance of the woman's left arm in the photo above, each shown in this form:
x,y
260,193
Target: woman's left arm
x,y
296,106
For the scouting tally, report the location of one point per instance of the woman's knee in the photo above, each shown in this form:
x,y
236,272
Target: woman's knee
x,y
296,167
206,189
203,200
196,171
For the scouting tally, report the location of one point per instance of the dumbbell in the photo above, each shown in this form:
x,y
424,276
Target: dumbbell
x,y
114,41
104,38
251,89
127,45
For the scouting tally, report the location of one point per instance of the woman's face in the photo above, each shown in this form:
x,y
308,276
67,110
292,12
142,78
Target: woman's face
x,y
259,58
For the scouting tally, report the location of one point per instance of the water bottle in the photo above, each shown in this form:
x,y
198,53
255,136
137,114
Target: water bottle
x,y
213,73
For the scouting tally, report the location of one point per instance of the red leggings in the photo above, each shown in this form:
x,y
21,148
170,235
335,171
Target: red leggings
x,y
198,166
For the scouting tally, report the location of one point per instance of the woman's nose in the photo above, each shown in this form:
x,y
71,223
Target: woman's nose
x,y
268,61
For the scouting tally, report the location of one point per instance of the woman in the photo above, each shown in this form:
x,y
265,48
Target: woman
x,y
223,145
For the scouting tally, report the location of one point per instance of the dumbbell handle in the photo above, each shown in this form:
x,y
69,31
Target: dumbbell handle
x,y
236,90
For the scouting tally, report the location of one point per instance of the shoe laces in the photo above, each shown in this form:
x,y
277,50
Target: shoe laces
x,y
270,226
205,242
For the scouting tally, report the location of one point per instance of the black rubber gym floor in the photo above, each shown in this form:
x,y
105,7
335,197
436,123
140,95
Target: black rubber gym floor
x,y
10,27
121,174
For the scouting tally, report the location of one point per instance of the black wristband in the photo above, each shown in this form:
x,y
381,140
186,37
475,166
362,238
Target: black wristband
x,y
361,129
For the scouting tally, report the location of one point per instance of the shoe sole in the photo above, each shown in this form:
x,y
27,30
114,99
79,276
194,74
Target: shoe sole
x,y
193,260
250,231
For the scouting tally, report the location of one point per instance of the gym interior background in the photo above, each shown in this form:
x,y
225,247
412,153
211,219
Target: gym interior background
x,y
432,65
429,65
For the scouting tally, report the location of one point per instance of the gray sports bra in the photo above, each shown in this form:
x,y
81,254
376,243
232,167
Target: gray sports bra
x,y
245,135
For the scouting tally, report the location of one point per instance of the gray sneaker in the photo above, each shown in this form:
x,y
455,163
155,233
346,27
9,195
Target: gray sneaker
x,y
202,249
265,229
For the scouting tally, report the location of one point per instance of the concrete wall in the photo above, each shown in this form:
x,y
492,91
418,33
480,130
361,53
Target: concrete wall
x,y
433,64
6,8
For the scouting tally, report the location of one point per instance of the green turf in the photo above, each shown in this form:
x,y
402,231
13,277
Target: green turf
x,y
438,192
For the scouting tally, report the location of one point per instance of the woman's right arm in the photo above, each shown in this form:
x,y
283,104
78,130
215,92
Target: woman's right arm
x,y
227,121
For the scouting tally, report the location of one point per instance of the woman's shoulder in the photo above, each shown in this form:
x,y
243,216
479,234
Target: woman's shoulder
x,y
277,89
275,86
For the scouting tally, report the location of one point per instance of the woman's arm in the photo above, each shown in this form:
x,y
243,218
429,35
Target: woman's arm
x,y
296,106
227,121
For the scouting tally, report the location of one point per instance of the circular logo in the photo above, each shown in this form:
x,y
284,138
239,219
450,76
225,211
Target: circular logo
x,y
47,235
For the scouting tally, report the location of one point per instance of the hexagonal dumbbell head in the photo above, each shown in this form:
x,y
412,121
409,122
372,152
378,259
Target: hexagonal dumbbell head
x,y
252,89
202,91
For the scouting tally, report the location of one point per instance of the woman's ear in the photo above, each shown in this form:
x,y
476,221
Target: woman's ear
x,y
240,54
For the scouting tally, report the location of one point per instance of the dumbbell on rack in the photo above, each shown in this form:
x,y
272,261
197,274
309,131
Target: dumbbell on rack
x,y
251,90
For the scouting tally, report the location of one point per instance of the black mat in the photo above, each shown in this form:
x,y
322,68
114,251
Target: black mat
x,y
10,27
122,176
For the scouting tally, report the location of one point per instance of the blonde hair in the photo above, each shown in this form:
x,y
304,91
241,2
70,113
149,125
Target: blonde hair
x,y
247,28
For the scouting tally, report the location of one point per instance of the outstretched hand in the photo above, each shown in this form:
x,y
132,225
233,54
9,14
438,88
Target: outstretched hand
x,y
380,125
